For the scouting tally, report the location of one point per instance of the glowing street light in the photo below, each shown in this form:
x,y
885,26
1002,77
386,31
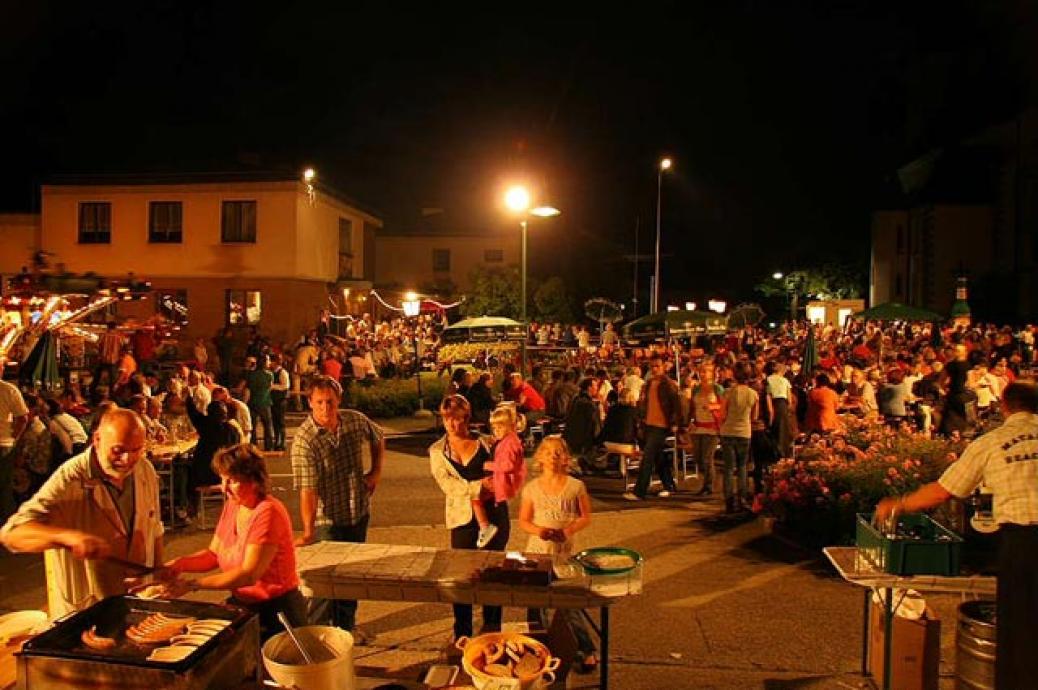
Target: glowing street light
x,y
777,275
518,200
664,165
308,177
309,174
412,305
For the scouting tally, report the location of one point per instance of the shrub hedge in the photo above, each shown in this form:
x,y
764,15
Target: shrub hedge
x,y
394,397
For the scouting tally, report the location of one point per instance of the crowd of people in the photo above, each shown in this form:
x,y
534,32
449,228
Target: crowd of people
x,y
750,397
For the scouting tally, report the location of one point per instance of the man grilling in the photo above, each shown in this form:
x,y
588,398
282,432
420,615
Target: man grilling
x,y
101,503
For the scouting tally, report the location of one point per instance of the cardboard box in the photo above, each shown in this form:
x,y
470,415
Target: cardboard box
x,y
915,650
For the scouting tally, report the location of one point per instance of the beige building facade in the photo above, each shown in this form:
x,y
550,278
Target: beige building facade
x,y
20,238
441,262
218,251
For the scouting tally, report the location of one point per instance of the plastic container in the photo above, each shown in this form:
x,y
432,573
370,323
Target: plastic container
x,y
285,664
611,581
937,551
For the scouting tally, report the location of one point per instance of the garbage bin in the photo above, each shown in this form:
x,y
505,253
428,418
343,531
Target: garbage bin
x,y
975,645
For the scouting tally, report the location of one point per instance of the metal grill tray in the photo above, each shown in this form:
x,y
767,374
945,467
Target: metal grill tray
x,y
113,615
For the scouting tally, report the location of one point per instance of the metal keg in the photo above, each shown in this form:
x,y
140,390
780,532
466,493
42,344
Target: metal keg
x,y
975,645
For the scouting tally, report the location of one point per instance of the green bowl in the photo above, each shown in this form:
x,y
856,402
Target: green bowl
x,y
587,558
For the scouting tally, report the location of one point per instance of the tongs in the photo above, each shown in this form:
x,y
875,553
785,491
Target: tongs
x,y
138,568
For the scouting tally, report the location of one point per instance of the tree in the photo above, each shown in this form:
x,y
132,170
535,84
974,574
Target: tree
x,y
828,282
493,292
552,301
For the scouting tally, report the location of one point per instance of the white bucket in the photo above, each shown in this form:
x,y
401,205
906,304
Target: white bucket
x,y
331,649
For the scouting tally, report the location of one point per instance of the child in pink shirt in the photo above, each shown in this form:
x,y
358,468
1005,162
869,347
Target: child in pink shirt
x,y
507,470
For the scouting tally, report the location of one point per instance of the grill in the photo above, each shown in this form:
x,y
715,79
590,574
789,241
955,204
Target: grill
x,y
58,659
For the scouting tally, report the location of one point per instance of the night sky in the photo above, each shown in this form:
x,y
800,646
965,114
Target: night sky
x,y
786,120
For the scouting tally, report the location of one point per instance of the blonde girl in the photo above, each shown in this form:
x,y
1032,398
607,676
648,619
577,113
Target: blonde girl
x,y
555,506
506,472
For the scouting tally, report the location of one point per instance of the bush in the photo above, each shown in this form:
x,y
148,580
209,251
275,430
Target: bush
x,y
394,397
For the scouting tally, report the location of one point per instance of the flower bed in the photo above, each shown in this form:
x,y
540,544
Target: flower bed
x,y
816,496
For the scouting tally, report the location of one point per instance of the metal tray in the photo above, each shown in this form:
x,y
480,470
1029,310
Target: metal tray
x,y
113,615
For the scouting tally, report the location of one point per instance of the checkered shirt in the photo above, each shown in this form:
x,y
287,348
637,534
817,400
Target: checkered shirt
x,y
1006,460
333,464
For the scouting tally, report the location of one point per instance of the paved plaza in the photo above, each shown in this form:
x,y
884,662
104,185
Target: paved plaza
x,y
724,604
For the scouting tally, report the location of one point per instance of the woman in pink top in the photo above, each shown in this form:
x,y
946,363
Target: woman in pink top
x,y
252,546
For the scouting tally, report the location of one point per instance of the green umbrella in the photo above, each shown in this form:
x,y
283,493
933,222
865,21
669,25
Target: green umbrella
x,y
936,339
894,311
40,368
678,323
810,359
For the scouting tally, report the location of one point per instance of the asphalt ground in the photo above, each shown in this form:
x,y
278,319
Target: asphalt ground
x,y
724,605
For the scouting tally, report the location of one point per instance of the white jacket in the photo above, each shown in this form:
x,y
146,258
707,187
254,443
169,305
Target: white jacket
x,y
459,492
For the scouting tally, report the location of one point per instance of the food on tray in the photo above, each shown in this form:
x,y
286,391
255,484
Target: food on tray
x,y
150,592
208,626
157,629
91,639
170,655
609,561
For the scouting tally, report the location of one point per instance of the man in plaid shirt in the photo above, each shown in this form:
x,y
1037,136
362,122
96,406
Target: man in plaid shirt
x,y
1006,461
328,464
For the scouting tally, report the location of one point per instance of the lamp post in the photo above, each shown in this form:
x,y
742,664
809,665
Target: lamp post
x,y
664,165
517,199
412,307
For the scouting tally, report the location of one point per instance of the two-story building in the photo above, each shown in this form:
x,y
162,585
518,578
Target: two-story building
x,y
436,255
220,250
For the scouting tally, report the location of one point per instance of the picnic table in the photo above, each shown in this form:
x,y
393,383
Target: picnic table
x,y
401,572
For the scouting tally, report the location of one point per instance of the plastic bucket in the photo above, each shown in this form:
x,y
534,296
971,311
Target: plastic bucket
x,y
332,652
975,646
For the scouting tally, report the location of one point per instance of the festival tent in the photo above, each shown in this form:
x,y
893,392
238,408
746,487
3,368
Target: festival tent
x,y
674,324
484,329
895,311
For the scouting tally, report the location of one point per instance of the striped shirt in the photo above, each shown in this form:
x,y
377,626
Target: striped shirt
x,y
1006,460
332,463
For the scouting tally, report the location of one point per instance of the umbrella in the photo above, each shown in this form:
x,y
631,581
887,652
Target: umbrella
x,y
810,359
484,329
40,367
894,311
675,323
745,315
936,337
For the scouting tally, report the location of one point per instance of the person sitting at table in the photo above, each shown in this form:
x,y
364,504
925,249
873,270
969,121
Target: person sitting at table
x,y
214,433
251,547
456,462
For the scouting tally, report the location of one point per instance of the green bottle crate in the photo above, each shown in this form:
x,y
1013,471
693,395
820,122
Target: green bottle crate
x,y
921,555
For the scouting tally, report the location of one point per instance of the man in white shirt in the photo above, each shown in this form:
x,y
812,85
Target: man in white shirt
x,y
779,392
1006,461
14,416
278,399
198,392
633,382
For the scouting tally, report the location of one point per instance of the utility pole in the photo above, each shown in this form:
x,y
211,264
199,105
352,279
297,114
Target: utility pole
x,y
634,305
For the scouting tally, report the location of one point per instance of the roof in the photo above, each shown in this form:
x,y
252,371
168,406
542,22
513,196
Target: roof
x,y
203,177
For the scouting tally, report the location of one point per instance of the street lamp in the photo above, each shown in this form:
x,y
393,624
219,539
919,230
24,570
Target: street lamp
x,y
664,165
412,307
777,275
517,199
